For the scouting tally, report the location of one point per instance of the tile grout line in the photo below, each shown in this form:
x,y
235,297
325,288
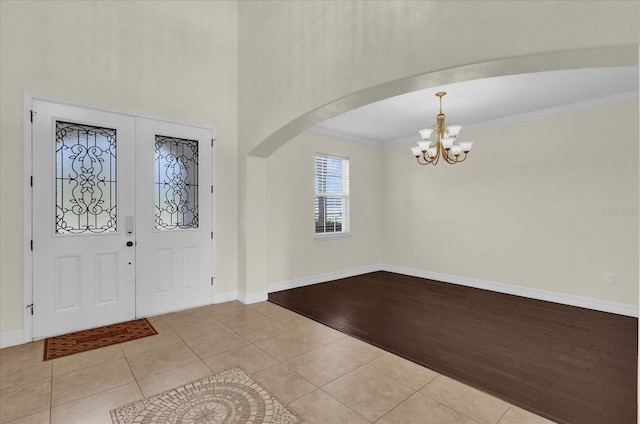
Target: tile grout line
x,y
92,394
320,388
253,343
454,409
132,373
278,361
394,408
342,403
183,342
505,413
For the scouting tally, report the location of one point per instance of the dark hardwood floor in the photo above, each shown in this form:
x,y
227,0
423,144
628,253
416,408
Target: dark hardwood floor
x,y
568,364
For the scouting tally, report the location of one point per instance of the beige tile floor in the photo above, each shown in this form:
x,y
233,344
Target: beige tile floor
x,y
324,375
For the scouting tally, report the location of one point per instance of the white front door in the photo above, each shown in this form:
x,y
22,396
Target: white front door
x,y
122,218
173,205
83,271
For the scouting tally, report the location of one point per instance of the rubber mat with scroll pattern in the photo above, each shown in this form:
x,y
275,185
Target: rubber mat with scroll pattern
x,y
81,341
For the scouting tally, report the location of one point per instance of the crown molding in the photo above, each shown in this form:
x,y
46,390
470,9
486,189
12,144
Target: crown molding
x,y
557,110
508,120
319,129
404,140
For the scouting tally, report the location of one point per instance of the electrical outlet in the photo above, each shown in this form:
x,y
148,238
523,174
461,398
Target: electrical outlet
x,y
609,279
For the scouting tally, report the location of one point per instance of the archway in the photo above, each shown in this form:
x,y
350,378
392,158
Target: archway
x,y
573,59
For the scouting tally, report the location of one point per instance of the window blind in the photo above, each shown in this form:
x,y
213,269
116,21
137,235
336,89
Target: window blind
x,y
332,194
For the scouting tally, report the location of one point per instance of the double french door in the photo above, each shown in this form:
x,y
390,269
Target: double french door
x,y
122,217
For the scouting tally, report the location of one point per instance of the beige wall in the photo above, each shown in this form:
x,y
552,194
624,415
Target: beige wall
x,y
266,71
301,62
526,208
171,59
305,61
293,251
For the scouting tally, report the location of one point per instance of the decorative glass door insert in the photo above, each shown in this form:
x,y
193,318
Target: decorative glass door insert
x,y
176,183
86,179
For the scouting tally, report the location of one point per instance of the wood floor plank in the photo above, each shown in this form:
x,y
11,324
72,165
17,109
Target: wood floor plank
x,y
568,364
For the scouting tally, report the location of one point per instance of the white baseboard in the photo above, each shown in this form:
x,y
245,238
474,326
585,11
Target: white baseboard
x,y
322,278
14,338
556,297
246,298
565,299
11,338
225,296
249,298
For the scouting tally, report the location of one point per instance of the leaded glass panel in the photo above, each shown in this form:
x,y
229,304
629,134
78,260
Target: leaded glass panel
x,y
85,179
176,183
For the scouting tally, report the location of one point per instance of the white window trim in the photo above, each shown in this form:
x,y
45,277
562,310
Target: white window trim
x,y
346,210
323,236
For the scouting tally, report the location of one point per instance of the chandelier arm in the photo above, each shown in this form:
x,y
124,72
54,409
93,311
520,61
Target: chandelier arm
x,y
426,162
436,157
451,159
448,158
463,158
455,160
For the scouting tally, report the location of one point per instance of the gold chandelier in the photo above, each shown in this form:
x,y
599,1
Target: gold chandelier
x,y
445,145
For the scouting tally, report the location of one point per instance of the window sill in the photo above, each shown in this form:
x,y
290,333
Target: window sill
x,y
323,236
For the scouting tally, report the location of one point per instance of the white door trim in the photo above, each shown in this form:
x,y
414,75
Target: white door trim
x,y
27,332
27,139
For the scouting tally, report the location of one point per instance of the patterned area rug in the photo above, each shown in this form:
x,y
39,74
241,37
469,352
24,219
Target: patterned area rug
x,y
231,396
68,344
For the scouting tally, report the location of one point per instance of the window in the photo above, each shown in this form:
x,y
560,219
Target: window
x,y
332,195
85,179
176,183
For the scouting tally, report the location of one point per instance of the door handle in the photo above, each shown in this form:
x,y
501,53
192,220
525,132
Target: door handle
x,y
129,243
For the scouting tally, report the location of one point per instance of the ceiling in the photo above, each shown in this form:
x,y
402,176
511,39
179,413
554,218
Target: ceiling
x,y
484,103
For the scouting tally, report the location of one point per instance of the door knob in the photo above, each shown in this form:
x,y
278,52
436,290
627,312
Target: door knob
x,y
129,243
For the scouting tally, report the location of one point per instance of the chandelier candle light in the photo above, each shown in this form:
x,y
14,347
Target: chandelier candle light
x,y
444,145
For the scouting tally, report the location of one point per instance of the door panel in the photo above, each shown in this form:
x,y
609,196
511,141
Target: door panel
x,y
107,278
67,283
83,273
174,250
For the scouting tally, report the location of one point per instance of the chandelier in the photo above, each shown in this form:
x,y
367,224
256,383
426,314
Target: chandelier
x,y
444,145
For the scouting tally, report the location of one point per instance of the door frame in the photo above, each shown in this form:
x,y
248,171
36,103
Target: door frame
x,y
27,203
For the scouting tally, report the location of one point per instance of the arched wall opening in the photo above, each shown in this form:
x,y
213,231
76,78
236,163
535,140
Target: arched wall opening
x,y
300,63
583,58
271,163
